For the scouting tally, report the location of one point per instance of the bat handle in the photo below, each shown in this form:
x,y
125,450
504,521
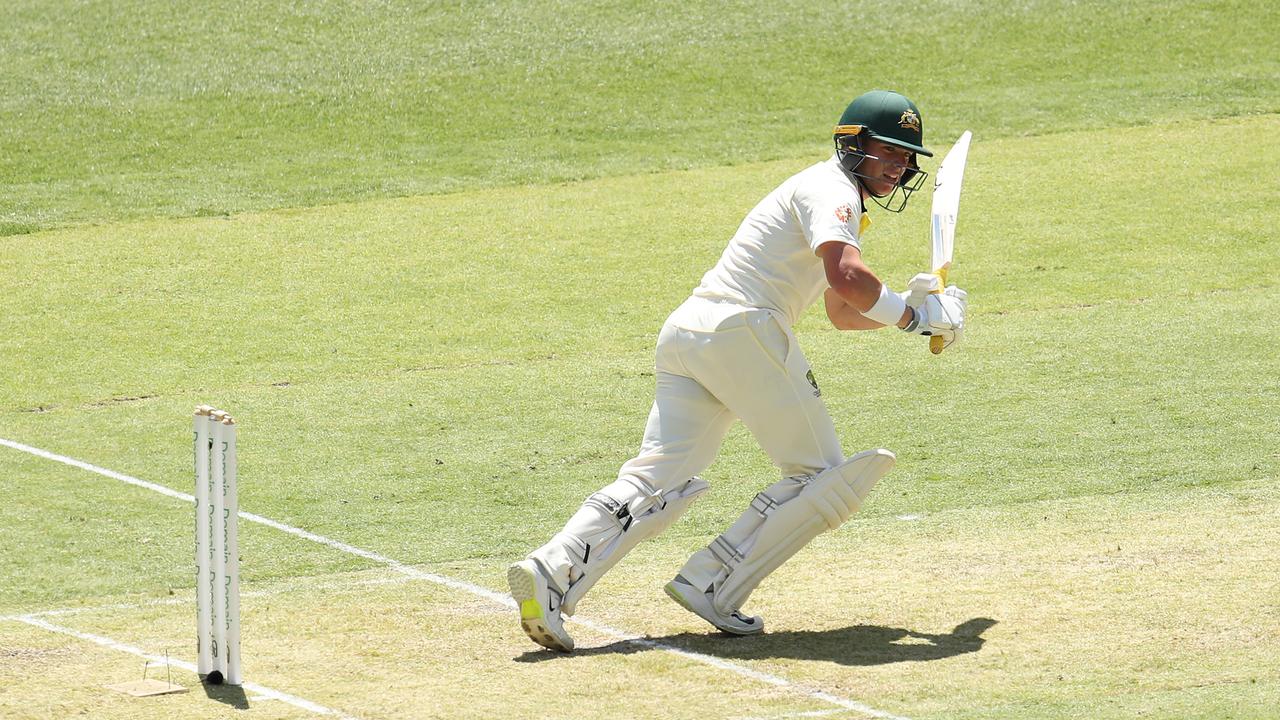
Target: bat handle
x,y
936,342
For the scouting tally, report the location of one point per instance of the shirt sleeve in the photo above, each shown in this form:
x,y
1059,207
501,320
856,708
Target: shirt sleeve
x,y
827,213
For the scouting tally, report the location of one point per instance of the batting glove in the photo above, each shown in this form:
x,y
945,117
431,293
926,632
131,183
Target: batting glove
x,y
940,312
919,288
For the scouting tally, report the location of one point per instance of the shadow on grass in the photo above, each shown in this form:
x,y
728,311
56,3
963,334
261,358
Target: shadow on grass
x,y
232,695
853,645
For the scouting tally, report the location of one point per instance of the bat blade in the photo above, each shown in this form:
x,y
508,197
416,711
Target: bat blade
x,y
946,201
946,206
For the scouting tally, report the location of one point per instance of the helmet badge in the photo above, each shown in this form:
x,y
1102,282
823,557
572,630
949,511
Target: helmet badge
x,y
910,120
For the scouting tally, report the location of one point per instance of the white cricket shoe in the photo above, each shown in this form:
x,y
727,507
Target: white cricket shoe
x,y
699,603
539,606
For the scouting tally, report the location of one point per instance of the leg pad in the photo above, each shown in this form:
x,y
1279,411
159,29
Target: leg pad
x,y
824,502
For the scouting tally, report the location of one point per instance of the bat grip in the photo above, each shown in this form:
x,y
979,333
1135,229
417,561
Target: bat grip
x,y
936,342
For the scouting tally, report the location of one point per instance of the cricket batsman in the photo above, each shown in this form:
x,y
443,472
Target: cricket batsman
x,y
728,353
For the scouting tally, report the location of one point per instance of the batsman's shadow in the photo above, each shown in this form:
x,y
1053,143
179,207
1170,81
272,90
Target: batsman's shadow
x,y
853,645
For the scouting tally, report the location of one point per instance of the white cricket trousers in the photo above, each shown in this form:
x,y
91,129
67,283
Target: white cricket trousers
x,y
717,362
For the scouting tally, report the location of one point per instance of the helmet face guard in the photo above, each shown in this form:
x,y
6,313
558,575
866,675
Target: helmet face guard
x,y
850,153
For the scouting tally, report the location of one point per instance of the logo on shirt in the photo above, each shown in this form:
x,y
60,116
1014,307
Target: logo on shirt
x,y
910,120
809,376
844,212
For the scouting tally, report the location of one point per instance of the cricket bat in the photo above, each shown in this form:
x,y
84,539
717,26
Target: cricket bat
x,y
946,205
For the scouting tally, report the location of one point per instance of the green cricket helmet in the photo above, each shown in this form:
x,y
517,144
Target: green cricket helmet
x,y
891,118
886,116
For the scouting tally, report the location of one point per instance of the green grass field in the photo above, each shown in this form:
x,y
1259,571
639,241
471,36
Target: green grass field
x,y
422,254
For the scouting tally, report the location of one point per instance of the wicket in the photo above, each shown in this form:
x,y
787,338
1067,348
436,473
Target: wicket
x,y
217,548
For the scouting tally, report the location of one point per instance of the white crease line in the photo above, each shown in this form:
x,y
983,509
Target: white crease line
x,y
336,545
95,469
160,602
802,714
499,598
262,691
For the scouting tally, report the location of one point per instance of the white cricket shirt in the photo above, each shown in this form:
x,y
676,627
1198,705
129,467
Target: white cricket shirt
x,y
772,260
